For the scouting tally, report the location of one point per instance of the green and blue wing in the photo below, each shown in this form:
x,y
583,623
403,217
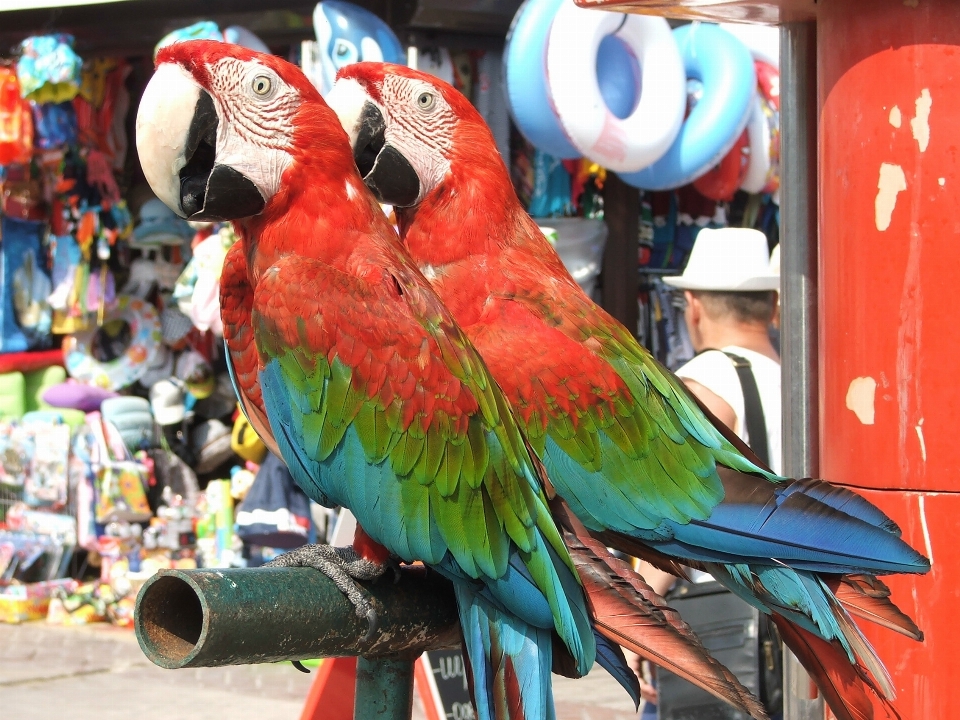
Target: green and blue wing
x,y
379,403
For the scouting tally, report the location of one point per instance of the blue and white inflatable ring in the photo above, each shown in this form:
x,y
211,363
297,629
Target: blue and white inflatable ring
x,y
725,67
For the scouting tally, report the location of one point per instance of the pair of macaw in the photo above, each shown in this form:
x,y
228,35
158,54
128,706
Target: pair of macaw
x,y
472,407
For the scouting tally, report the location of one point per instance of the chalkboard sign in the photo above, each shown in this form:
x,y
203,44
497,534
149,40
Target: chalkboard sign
x,y
443,686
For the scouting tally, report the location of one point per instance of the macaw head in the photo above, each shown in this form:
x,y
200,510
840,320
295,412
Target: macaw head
x,y
220,125
409,130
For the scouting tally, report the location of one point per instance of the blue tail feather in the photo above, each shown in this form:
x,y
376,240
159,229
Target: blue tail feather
x,y
510,660
610,657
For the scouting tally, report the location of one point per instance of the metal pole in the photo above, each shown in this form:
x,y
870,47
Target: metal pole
x,y
384,689
798,273
621,211
207,618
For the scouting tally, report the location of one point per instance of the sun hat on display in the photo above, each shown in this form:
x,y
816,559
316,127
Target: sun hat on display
x,y
132,417
211,442
175,326
167,402
160,369
159,225
194,370
728,259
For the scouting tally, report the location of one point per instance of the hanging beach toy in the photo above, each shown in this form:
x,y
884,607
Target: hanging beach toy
x,y
525,82
725,68
118,353
622,142
526,86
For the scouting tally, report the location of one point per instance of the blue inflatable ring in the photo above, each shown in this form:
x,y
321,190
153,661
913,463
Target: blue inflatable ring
x,y
725,67
525,78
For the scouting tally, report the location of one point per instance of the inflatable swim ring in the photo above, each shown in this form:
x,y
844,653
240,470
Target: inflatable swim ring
x,y
763,41
621,144
725,68
525,82
128,366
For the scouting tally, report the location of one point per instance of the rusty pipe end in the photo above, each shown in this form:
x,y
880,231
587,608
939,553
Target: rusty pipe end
x,y
171,621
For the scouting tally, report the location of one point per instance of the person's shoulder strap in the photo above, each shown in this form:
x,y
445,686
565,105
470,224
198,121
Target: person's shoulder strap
x,y
754,420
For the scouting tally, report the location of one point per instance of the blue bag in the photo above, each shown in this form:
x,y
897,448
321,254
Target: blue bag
x,y
25,315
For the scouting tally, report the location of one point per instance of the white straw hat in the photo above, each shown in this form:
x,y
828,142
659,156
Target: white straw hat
x,y
728,259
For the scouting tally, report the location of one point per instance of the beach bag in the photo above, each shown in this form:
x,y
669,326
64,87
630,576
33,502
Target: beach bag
x,y
121,481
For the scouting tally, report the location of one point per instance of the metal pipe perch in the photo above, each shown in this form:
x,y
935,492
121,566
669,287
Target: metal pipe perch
x,y
205,618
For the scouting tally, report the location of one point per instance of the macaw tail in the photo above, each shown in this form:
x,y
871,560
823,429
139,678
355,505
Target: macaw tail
x,y
863,596
627,611
803,599
846,688
509,660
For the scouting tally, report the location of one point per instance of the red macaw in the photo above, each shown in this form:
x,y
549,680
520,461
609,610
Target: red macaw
x,y
354,371
624,443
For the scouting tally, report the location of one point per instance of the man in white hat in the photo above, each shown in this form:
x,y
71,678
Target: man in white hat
x,y
731,298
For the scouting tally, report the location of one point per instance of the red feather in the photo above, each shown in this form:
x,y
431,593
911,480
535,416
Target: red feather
x,y
868,598
846,688
236,301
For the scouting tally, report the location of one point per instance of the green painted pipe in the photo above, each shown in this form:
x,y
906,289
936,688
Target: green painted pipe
x,y
384,688
203,618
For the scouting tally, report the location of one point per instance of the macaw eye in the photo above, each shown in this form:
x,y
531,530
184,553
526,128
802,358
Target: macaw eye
x,y
262,85
425,100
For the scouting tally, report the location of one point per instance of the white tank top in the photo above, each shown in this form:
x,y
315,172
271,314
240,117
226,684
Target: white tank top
x,y
715,371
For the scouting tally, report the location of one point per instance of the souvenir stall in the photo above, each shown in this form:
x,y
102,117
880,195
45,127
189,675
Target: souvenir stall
x,y
121,446
123,449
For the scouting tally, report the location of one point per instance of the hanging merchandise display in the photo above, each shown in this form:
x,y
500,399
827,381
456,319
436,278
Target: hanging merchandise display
x,y
117,354
489,99
551,187
612,88
763,174
49,69
725,68
16,122
25,315
438,62
528,91
525,83
346,34
120,480
649,125
88,452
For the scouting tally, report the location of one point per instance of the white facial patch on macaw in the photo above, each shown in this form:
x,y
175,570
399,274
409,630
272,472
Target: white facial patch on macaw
x,y
346,99
256,110
420,126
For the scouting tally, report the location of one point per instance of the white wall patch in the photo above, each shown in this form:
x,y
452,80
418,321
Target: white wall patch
x,y
860,397
892,182
921,123
896,118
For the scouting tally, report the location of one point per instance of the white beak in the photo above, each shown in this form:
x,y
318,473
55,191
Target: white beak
x,y
163,126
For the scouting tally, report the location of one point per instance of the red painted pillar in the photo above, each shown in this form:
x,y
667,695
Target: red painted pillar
x,y
889,84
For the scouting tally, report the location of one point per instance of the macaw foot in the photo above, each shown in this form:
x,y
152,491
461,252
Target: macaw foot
x,y
344,566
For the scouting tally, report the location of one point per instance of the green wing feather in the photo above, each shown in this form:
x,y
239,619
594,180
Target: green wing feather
x,y
428,465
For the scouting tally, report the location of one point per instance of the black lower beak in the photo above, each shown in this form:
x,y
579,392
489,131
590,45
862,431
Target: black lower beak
x,y
388,174
209,191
